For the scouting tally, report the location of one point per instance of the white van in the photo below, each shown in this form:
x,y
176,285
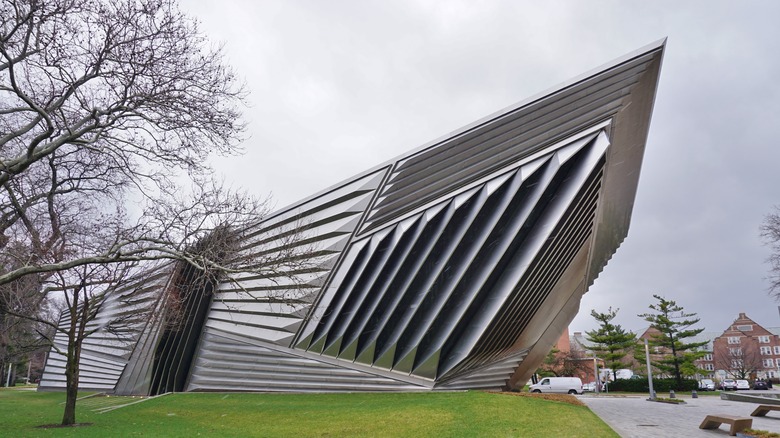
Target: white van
x,y
562,385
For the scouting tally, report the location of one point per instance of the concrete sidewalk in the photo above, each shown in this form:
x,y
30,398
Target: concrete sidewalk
x,y
635,417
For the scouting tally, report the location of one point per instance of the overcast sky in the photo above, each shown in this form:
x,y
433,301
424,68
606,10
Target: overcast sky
x,y
338,87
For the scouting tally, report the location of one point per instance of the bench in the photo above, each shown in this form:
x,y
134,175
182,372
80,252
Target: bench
x,y
762,410
738,424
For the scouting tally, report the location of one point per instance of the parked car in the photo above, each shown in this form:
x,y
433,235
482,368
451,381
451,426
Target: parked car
x,y
760,384
728,385
742,384
589,387
564,385
706,385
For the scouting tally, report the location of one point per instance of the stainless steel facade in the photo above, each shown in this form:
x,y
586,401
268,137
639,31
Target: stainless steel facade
x,y
454,266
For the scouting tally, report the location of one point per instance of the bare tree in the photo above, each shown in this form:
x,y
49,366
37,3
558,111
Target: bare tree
x,y
770,232
21,337
565,363
738,361
117,101
109,111
576,363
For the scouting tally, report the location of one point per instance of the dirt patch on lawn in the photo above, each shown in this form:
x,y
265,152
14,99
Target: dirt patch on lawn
x,y
58,426
563,398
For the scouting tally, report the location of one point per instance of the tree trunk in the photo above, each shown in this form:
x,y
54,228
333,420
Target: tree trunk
x,y
71,383
677,375
75,338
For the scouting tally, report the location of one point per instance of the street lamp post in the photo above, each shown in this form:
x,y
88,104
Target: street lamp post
x,y
649,371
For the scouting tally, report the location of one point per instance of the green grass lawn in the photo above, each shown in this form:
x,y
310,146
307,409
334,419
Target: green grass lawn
x,y
450,414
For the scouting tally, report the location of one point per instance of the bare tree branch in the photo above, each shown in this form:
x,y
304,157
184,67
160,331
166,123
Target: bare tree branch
x,y
770,233
109,112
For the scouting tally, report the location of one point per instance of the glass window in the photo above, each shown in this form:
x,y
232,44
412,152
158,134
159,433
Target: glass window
x,y
745,328
777,362
769,363
766,350
777,349
708,357
763,339
709,367
735,351
733,339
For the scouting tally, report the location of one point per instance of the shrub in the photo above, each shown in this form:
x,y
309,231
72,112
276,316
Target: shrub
x,y
659,385
760,433
670,400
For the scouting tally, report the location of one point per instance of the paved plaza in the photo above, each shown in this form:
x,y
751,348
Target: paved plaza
x,y
635,417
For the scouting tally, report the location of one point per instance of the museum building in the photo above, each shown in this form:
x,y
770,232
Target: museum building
x,y
454,266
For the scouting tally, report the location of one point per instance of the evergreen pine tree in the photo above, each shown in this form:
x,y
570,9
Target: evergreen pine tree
x,y
611,343
674,329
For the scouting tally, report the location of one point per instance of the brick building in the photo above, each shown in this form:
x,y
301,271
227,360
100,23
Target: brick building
x,y
745,350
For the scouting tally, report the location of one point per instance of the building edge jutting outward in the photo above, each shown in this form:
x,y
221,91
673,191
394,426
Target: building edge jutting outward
x,y
454,266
